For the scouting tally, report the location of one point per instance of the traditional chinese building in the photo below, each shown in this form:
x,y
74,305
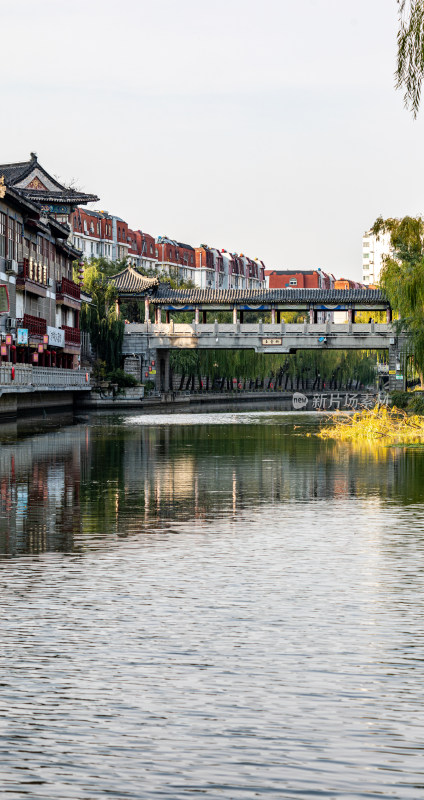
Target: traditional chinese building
x,y
36,258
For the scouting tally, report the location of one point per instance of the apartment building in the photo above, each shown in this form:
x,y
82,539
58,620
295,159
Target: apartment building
x,y
375,247
298,279
100,234
41,325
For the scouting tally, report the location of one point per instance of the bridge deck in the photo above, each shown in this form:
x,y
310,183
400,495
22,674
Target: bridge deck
x,y
277,338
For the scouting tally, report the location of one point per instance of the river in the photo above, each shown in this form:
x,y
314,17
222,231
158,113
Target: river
x,y
213,604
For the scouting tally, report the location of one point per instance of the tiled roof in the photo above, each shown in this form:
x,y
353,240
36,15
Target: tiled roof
x,y
130,281
13,173
18,171
166,295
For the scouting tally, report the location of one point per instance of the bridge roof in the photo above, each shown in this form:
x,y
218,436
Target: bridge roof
x,y
305,297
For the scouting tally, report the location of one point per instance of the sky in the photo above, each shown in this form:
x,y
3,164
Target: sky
x,y
265,127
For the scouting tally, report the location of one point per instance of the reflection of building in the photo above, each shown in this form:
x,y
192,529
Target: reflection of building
x,y
36,266
40,491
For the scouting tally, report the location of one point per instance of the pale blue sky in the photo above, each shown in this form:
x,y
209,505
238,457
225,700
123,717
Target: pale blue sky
x,y
266,127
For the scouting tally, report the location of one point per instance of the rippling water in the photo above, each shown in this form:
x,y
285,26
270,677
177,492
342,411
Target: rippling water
x,y
212,605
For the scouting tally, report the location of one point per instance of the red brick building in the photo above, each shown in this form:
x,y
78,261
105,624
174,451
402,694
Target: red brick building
x,y
298,279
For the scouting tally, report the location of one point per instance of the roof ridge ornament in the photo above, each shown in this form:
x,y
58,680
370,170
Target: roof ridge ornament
x,y
2,187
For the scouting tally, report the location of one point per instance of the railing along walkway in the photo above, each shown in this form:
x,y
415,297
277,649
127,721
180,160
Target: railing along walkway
x,y
28,377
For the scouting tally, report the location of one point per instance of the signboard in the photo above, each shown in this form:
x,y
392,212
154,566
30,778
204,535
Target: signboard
x,y
56,209
4,299
22,336
272,341
392,372
56,336
152,372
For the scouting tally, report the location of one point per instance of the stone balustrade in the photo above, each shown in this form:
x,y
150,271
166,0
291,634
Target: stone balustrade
x,y
28,377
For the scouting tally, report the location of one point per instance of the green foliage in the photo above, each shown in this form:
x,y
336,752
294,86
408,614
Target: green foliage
x,y
99,317
416,404
399,399
402,279
123,379
332,368
410,56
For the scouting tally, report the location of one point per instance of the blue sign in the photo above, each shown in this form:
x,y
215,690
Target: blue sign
x,y
22,336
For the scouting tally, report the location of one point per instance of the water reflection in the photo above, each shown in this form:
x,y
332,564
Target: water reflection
x,y
123,474
237,614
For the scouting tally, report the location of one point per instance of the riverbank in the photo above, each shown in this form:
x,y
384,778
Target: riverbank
x,y
290,401
389,426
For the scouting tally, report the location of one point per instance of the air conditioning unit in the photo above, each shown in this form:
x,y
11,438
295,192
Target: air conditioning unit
x,y
11,266
10,323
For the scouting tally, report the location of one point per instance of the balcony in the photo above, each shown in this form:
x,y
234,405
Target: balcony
x,y
33,277
72,336
37,326
69,288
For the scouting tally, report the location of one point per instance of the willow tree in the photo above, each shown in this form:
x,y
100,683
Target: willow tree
x,y
99,317
410,55
402,279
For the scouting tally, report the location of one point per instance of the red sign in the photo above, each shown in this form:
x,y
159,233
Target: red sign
x,y
41,348
3,350
35,358
46,338
8,338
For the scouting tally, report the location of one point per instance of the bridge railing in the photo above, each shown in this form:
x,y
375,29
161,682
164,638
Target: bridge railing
x,y
258,329
25,375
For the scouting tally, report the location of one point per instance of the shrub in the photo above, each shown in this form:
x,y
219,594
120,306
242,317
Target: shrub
x,y
123,379
416,406
400,399
148,386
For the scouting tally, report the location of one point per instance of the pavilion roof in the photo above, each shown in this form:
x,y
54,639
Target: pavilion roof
x,y
130,281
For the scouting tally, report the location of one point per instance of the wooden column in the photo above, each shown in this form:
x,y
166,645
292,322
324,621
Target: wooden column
x,y
146,309
388,315
196,315
273,316
234,316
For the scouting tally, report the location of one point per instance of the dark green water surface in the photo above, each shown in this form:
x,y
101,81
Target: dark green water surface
x,y
212,605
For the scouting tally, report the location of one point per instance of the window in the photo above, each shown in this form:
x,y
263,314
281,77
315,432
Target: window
x,y
366,255
2,234
170,254
151,249
11,238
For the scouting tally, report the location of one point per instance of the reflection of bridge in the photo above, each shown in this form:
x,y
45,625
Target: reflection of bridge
x,y
150,343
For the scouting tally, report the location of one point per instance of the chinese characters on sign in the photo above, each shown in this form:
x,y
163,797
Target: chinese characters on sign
x,y
334,401
272,341
337,400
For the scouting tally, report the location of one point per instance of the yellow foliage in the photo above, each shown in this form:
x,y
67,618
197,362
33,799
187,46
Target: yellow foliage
x,y
382,424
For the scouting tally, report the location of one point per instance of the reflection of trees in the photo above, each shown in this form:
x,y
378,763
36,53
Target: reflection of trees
x,y
177,473
122,478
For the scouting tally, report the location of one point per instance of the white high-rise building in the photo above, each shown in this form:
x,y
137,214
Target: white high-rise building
x,y
374,248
